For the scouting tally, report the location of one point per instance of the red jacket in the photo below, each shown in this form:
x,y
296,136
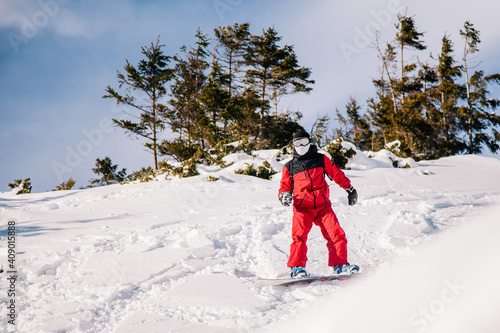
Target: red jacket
x,y
304,176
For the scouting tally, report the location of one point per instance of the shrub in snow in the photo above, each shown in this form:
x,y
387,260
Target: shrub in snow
x,y
65,186
183,152
144,175
107,170
340,154
393,146
178,149
213,179
186,169
223,149
264,172
21,186
387,157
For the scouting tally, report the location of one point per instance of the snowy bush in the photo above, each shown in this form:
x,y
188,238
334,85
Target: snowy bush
x,y
386,157
65,186
186,169
21,186
340,155
264,172
108,172
144,175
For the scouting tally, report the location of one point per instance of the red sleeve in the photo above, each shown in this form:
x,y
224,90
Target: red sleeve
x,y
336,174
286,182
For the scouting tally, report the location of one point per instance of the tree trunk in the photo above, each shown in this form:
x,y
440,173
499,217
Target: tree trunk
x,y
469,103
384,65
261,120
230,68
402,75
155,148
402,62
445,121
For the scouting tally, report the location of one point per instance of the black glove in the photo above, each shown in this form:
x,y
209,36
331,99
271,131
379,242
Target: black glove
x,y
286,198
352,196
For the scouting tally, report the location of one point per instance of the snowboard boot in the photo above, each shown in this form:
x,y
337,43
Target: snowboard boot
x,y
345,269
298,272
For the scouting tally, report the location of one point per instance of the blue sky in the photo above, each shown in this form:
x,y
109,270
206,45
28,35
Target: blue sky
x,y
58,56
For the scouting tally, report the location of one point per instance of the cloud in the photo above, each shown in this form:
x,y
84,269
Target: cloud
x,y
68,24
27,19
10,13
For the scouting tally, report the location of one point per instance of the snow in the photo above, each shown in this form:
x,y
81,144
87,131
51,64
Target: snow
x,y
459,292
182,255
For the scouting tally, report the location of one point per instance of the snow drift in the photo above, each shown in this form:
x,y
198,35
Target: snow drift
x,y
449,285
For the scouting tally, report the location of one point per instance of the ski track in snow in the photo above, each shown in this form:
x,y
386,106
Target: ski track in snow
x,y
183,254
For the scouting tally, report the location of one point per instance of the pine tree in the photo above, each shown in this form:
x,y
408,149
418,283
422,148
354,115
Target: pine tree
x,y
282,127
472,40
407,37
427,122
273,72
341,131
148,81
247,124
422,108
448,94
382,119
388,58
232,41
361,133
410,123
319,129
475,118
187,115
384,109
215,101
107,170
197,67
396,113
231,48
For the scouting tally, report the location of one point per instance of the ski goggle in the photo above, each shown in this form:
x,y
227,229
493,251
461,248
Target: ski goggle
x,y
300,142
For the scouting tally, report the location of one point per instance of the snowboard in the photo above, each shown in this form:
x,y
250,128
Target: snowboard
x,y
286,282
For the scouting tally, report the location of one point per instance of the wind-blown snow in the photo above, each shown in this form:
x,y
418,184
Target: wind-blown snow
x,y
182,255
449,285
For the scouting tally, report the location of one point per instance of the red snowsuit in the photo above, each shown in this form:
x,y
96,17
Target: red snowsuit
x,y
304,176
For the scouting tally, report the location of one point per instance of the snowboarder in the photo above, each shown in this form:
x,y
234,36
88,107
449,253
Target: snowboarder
x,y
303,183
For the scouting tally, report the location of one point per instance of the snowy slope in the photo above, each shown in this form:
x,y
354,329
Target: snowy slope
x,y
449,285
182,255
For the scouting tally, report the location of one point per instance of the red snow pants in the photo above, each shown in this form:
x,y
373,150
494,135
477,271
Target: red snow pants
x,y
325,218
